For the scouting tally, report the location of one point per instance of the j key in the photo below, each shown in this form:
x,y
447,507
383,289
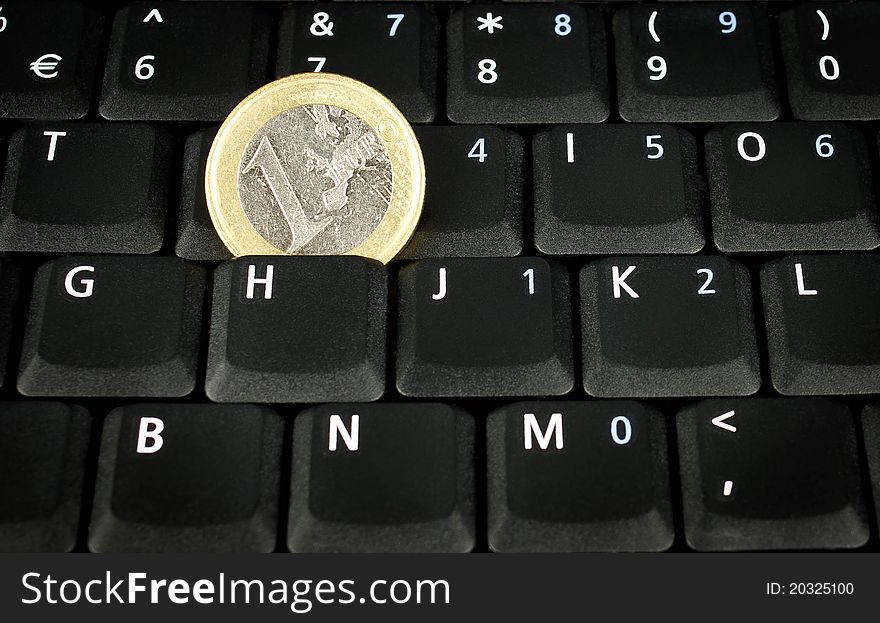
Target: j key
x,y
488,327
871,425
184,61
526,64
85,188
831,67
822,328
695,62
674,326
390,46
196,237
770,473
298,329
178,478
113,326
791,186
382,478
617,189
578,476
43,449
9,285
473,200
49,52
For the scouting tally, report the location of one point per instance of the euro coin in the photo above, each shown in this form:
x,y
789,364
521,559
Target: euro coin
x,y
315,164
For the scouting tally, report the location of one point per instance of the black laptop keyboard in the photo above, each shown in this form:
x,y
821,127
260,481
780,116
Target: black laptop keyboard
x,y
641,310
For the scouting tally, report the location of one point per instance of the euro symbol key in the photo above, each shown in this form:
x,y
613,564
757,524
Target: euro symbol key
x,y
46,66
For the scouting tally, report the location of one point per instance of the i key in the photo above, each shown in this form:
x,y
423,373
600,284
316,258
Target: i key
x,y
831,65
770,474
85,188
382,478
578,476
690,62
608,189
526,64
49,52
298,329
184,61
43,449
822,330
791,186
113,326
188,478
668,326
473,203
392,47
484,327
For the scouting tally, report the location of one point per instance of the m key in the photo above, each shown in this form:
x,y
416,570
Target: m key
x,y
668,326
487,327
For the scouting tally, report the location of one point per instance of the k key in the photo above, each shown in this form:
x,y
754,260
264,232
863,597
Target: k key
x,y
298,329
392,47
771,474
526,64
791,186
822,329
113,326
49,52
382,478
578,476
690,62
484,327
188,61
668,326
188,478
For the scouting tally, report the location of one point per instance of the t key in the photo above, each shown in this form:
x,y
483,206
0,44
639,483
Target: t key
x,y
188,61
822,329
488,327
382,478
690,62
526,64
668,326
392,47
578,476
113,326
183,478
778,473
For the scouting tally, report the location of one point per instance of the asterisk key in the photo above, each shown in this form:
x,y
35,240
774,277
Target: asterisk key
x,y
490,23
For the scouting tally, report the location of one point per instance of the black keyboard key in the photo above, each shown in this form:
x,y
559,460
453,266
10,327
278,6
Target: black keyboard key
x,y
791,186
668,326
113,326
85,188
526,64
777,473
578,476
298,329
43,449
9,287
187,61
831,68
617,189
484,327
188,478
473,195
382,478
196,237
690,62
390,46
49,52
871,426
822,330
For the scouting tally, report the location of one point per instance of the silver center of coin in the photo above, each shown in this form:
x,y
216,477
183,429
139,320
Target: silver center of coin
x,y
315,180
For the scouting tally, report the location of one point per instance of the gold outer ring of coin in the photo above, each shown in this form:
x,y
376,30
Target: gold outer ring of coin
x,y
390,126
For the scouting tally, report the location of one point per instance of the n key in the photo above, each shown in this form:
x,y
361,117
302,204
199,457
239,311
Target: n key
x,y
184,478
487,327
113,326
673,326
